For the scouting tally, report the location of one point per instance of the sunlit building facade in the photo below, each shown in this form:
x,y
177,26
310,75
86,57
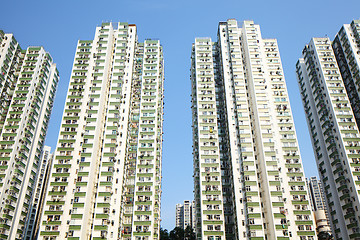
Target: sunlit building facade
x,y
185,214
334,133
318,205
28,82
179,215
10,61
37,205
346,46
105,181
328,75
248,174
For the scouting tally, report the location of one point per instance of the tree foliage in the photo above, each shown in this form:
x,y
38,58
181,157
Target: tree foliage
x,y
164,235
189,233
325,236
177,234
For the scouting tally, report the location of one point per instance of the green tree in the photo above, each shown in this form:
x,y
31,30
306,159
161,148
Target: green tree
x,y
189,233
164,235
325,236
177,234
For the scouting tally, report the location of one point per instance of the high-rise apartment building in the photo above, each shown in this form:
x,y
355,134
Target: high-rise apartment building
x,y
185,214
28,83
318,205
10,61
37,204
334,133
346,46
249,180
188,213
179,215
105,181
193,216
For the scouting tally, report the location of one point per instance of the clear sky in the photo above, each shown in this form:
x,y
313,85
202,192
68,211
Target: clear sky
x,y
57,25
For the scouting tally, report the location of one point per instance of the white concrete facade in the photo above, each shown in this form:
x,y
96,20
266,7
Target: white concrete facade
x,y
334,134
185,214
33,221
318,204
249,180
346,46
29,81
105,181
10,57
179,215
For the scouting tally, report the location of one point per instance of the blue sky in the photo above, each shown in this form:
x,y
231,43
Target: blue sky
x,y
57,25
